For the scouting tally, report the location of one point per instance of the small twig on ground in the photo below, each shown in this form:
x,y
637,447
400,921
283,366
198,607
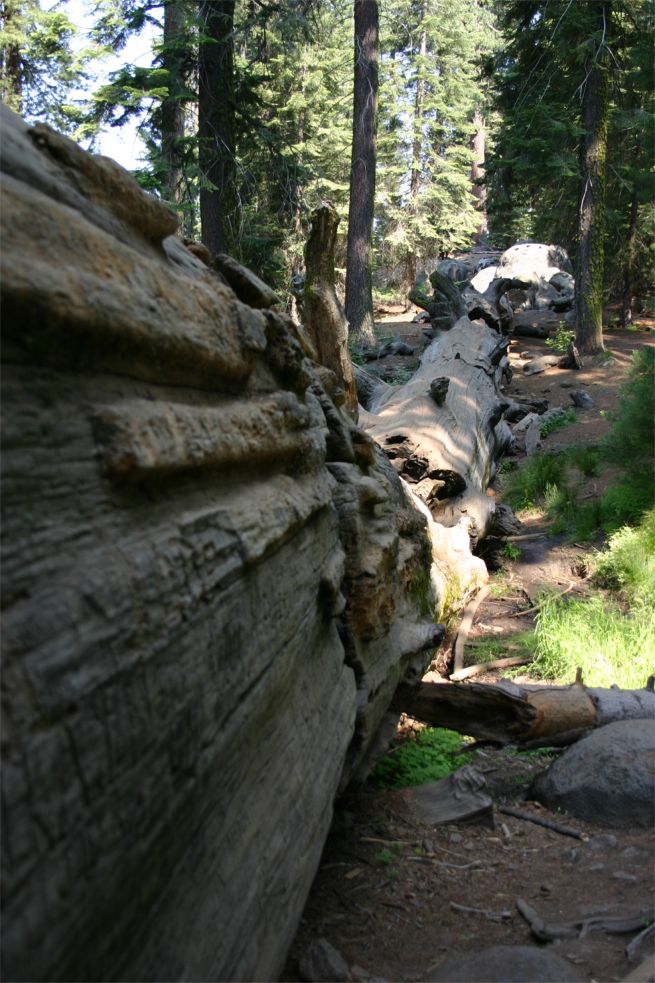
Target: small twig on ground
x,y
539,821
492,916
548,931
537,607
475,670
631,948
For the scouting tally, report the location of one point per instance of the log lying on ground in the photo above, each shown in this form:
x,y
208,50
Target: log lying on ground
x,y
443,430
510,713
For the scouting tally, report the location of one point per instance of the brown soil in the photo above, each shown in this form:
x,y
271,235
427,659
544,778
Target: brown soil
x,y
383,893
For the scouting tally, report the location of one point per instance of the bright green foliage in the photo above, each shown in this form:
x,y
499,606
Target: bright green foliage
x,y
434,754
628,562
535,175
40,63
561,340
526,487
610,646
631,443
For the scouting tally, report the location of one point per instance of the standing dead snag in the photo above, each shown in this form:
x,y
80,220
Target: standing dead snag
x,y
323,314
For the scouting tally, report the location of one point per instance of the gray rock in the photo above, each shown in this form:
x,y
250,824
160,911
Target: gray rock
x,y
602,842
455,269
506,964
395,347
607,777
581,398
322,963
540,364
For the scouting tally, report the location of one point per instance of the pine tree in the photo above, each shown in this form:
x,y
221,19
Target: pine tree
x,y
39,66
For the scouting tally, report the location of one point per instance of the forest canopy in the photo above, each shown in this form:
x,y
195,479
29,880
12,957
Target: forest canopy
x,y
490,115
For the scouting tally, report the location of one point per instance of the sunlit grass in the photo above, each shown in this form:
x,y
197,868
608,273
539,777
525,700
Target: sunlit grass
x,y
610,646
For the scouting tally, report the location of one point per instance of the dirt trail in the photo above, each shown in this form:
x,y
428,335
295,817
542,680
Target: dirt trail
x,y
383,893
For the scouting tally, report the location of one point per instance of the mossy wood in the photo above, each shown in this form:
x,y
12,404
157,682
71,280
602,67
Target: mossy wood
x,y
511,713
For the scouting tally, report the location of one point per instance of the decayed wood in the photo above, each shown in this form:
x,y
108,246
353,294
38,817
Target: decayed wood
x,y
489,914
509,712
446,451
323,314
465,627
548,931
529,817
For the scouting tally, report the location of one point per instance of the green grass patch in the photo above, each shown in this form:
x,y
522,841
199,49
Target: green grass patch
x,y
610,645
558,422
435,753
526,487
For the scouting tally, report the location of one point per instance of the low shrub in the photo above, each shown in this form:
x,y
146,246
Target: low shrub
x,y
435,753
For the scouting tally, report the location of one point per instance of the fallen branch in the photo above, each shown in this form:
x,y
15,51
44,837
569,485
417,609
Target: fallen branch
x,y
538,607
517,660
539,821
632,947
465,627
548,931
492,916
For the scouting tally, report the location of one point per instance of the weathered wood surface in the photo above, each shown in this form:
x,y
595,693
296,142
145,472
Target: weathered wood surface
x,y
323,315
212,585
446,447
508,712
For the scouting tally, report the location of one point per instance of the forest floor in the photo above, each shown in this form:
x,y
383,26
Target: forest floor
x,y
384,893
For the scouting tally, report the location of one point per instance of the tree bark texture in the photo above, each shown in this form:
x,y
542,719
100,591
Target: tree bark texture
x,y
323,314
477,170
509,712
172,108
219,212
359,296
630,256
417,146
590,264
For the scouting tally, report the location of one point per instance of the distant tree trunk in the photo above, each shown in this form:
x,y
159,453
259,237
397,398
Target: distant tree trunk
x,y
219,213
595,107
477,171
415,178
11,63
359,294
172,108
628,270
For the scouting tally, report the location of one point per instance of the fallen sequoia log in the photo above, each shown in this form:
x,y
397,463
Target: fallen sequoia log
x,y
444,429
510,713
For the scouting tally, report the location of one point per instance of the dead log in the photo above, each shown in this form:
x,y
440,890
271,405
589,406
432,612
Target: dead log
x,y
510,713
324,317
446,449
531,330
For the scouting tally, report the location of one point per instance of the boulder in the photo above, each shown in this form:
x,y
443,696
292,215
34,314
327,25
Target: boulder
x,y
213,582
506,964
607,777
546,273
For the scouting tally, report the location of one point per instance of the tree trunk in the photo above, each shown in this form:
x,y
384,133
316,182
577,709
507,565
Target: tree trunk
x,y
444,428
219,212
172,108
477,171
508,712
417,146
323,315
359,295
628,271
11,63
590,265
